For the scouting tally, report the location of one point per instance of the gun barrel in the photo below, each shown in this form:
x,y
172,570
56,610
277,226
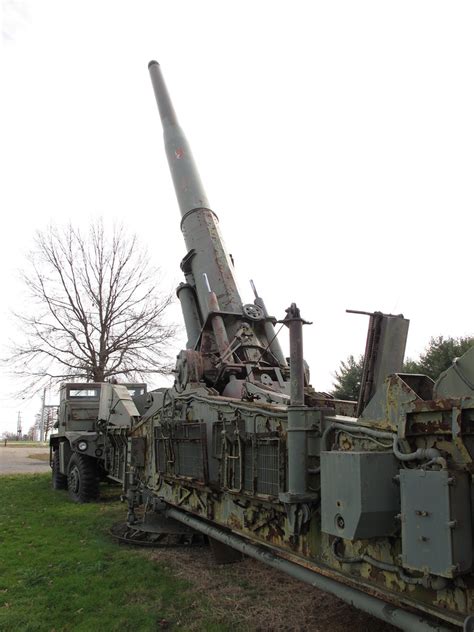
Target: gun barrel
x,y
187,183
200,225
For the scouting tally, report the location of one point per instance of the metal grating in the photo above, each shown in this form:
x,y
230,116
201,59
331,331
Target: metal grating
x,y
261,466
268,467
190,460
191,431
181,450
160,453
217,439
248,467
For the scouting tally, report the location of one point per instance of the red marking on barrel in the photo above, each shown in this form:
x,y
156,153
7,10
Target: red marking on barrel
x,y
179,153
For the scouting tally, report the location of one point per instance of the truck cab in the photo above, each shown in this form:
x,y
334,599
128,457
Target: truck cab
x,y
91,438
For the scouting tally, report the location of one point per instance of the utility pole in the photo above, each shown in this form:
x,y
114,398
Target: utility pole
x,y
50,416
43,401
19,432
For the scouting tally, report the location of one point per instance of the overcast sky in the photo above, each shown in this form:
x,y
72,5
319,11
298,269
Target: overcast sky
x,y
334,139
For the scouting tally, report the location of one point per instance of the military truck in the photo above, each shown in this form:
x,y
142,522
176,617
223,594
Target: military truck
x,y
90,443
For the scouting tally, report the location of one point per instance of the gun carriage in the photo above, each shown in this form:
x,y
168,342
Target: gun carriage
x,y
372,503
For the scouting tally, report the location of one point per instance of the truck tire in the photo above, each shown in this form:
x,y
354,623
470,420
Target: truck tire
x,y
82,479
59,480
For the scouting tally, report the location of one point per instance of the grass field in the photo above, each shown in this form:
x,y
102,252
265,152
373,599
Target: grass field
x,y
61,571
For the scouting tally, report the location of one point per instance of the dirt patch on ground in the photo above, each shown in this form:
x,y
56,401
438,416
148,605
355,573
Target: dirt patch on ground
x,y
24,460
40,456
260,598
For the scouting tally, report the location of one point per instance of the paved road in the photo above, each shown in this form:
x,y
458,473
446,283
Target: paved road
x,y
16,461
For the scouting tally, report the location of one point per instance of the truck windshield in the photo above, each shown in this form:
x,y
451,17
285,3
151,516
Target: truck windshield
x,y
136,390
84,393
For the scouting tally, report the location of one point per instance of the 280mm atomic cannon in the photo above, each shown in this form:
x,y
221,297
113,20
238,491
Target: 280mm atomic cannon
x,y
218,325
375,508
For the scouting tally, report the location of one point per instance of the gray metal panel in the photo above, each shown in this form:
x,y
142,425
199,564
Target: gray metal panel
x,y
384,353
436,521
391,349
105,403
116,405
64,456
137,451
458,380
359,497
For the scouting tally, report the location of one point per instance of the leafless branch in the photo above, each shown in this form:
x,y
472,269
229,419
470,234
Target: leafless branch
x,y
94,311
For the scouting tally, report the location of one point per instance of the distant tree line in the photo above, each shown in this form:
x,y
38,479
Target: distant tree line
x,y
13,436
437,357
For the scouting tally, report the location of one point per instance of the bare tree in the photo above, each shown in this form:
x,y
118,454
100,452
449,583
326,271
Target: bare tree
x,y
95,310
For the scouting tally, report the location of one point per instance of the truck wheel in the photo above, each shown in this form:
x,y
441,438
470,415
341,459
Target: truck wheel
x,y
59,480
82,479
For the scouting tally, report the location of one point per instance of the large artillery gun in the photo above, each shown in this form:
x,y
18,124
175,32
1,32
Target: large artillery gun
x,y
374,505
